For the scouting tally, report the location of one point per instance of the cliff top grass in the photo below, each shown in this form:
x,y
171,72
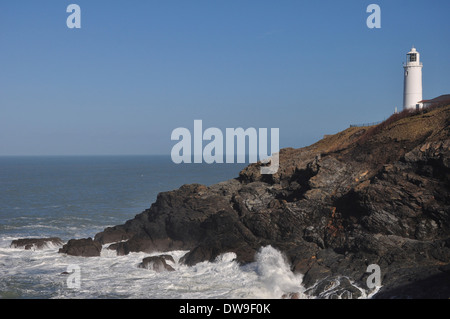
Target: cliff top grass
x,y
411,126
340,140
372,146
406,126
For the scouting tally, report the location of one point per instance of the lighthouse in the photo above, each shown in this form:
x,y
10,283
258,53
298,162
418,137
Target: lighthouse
x,y
412,92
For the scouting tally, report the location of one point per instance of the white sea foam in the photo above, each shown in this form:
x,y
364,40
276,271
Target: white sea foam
x,y
336,288
112,276
275,275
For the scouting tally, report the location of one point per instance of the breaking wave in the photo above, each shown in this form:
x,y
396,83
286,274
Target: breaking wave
x,y
112,276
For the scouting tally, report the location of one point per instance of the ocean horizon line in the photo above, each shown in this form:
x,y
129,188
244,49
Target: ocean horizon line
x,y
87,155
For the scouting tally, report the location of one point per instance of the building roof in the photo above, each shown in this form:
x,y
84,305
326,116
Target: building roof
x,y
439,99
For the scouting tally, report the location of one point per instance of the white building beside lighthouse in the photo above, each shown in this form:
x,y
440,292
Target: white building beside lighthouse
x,y
412,92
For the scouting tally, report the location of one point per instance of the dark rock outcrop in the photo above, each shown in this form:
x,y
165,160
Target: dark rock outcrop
x,y
36,243
364,196
82,247
157,263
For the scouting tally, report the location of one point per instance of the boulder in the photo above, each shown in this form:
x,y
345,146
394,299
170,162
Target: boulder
x,y
85,247
157,263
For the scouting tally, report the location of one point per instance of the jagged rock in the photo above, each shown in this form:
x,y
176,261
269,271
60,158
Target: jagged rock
x,y
157,263
334,288
36,243
85,247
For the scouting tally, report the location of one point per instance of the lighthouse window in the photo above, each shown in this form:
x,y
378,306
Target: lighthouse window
x,y
412,57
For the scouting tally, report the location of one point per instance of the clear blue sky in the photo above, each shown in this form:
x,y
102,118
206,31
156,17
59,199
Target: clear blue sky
x,y
136,70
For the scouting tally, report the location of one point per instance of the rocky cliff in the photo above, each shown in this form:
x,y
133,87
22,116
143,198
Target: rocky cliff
x,y
373,195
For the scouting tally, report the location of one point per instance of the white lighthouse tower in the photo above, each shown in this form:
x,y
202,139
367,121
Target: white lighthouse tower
x,y
412,92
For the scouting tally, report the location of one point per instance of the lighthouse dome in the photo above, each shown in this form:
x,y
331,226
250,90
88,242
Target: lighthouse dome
x,y
413,57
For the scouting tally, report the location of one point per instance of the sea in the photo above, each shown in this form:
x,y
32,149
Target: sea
x,y
79,196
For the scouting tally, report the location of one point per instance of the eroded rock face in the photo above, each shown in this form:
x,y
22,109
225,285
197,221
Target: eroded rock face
x,y
332,209
36,243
